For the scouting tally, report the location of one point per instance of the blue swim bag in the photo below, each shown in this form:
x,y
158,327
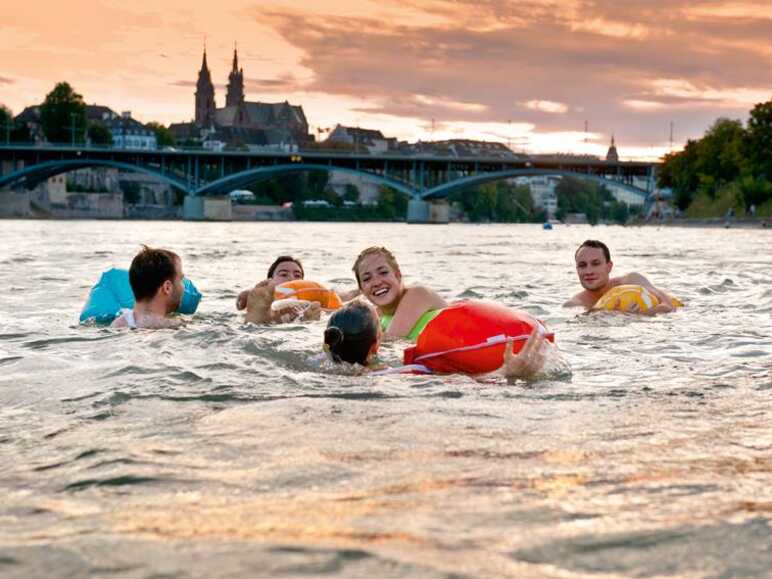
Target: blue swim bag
x,y
112,293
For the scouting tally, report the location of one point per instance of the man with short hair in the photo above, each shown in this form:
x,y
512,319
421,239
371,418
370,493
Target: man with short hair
x,y
593,266
156,279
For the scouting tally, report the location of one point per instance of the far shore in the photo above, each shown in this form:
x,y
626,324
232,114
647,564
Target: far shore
x,y
710,222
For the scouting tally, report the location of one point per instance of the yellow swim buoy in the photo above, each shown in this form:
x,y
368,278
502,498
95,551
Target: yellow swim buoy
x,y
630,299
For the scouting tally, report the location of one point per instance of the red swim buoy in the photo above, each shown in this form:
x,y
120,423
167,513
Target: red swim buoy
x,y
469,337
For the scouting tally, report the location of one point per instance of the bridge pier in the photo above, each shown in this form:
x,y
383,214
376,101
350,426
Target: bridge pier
x,y
193,208
199,208
419,211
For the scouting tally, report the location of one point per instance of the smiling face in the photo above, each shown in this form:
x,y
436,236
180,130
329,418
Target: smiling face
x,y
592,268
379,282
287,271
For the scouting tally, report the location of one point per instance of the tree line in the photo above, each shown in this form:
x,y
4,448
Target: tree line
x,y
729,169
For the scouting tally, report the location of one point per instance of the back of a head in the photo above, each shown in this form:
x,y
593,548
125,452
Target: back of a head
x,y
351,332
149,269
597,245
282,259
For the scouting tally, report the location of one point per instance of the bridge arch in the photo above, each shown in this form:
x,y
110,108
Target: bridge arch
x,y
50,168
238,180
442,191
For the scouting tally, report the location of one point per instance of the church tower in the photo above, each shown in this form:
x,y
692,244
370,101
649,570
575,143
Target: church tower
x,y
235,96
205,105
612,154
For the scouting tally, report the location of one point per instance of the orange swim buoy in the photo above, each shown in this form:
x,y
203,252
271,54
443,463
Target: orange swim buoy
x,y
470,337
311,291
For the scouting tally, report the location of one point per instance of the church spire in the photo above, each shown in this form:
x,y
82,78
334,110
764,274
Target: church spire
x,y
205,105
235,96
612,154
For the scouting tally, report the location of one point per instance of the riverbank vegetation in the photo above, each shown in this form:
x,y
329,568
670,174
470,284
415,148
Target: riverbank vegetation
x,y
726,172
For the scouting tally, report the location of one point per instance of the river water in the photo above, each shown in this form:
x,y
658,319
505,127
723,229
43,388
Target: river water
x,y
226,450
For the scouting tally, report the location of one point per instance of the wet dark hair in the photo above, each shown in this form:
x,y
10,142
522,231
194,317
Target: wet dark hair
x,y
351,332
282,259
596,244
149,269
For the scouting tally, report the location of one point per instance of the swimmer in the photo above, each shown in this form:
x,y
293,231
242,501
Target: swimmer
x,y
593,266
404,311
156,279
284,268
354,334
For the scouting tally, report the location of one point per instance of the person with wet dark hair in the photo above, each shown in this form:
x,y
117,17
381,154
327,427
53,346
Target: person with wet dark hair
x,y
593,267
285,268
257,300
156,279
353,334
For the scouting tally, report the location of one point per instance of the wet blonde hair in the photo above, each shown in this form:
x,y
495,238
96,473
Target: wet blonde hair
x,y
390,259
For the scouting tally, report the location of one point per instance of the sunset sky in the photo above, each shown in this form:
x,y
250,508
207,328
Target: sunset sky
x,y
525,73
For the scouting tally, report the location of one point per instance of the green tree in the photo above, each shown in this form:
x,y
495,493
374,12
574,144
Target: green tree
x,y
63,115
758,141
163,135
513,203
351,193
577,195
679,172
99,134
392,204
720,155
6,124
131,191
11,130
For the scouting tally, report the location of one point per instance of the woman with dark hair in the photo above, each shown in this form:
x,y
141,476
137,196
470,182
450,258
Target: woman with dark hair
x,y
353,335
258,300
284,268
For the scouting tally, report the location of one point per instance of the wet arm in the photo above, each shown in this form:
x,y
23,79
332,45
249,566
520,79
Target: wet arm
x,y
665,301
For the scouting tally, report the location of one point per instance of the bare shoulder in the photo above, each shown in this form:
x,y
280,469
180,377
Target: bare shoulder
x,y
574,302
424,295
580,300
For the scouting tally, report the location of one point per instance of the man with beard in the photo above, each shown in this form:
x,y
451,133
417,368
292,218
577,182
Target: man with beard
x,y
156,279
593,266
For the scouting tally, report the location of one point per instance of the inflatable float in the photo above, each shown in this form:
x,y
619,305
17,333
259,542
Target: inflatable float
x,y
112,293
301,289
470,337
630,299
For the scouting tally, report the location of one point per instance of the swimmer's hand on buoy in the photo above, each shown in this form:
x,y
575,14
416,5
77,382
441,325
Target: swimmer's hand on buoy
x,y
637,299
292,310
663,307
530,360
